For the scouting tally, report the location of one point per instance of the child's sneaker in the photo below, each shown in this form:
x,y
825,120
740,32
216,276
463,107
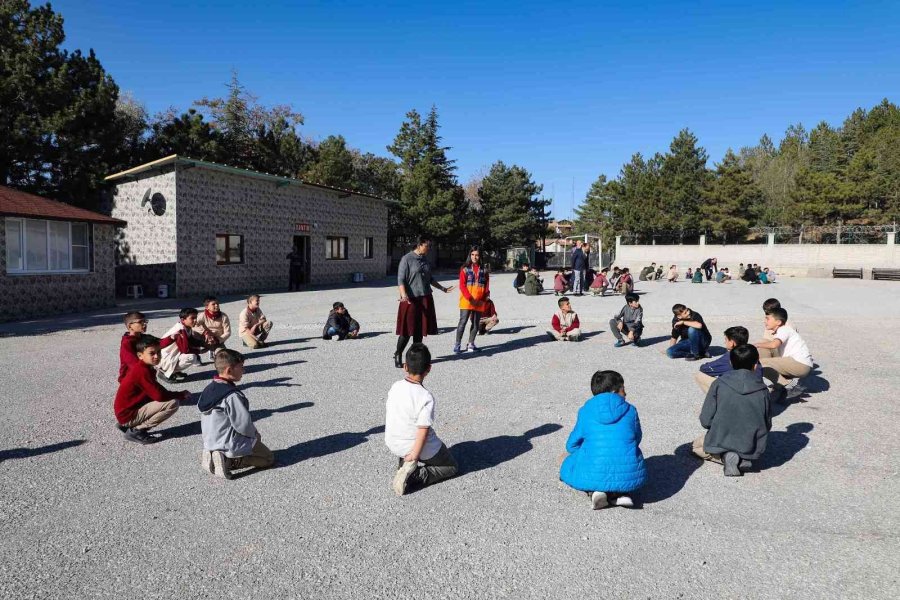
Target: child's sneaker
x,y
732,464
457,349
140,436
473,348
206,462
637,343
599,500
619,343
221,464
401,478
212,356
624,501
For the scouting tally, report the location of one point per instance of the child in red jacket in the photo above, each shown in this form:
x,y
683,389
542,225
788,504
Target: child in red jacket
x,y
141,402
136,326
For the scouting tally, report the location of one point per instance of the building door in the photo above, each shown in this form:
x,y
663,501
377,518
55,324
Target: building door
x,y
301,243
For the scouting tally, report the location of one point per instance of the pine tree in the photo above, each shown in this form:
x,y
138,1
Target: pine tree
x,y
733,200
510,207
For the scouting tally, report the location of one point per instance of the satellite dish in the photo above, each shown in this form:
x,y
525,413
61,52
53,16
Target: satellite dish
x,y
156,201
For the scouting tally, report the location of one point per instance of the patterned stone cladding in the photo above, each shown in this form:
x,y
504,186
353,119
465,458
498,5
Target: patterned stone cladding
x,y
266,214
146,253
31,296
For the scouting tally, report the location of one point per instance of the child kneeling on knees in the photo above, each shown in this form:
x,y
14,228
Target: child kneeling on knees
x,y
141,402
605,459
230,440
408,427
737,414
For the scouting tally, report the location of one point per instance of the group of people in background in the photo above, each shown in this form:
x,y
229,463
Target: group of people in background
x,y
709,270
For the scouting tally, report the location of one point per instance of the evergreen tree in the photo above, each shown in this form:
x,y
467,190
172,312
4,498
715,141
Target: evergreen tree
x,y
431,200
732,201
685,180
510,207
334,164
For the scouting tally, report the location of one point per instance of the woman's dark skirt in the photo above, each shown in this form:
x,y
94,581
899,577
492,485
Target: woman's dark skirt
x,y
417,317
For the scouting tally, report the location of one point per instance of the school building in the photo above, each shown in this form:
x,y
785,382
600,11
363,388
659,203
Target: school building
x,y
196,227
54,258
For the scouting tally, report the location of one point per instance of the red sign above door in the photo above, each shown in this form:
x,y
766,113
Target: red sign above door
x,y
304,227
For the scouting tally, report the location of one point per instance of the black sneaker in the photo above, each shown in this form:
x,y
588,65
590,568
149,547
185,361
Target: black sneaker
x,y
692,358
398,361
779,394
179,377
139,436
121,427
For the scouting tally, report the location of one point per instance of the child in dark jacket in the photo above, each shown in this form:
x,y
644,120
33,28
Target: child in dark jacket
x,y
734,337
340,323
737,414
605,459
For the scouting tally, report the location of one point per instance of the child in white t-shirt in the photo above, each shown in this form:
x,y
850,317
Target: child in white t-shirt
x,y
792,359
409,427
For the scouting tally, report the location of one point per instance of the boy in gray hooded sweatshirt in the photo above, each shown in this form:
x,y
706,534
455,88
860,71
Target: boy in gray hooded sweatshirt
x,y
737,414
230,440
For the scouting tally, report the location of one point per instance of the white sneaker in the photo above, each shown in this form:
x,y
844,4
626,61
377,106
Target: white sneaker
x,y
212,356
401,478
222,465
599,500
625,501
206,462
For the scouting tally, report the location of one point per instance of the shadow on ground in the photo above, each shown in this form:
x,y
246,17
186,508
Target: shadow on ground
x,y
30,452
193,428
782,446
510,329
667,474
323,446
488,453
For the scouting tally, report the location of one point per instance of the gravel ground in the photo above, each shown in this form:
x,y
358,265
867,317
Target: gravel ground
x,y
86,514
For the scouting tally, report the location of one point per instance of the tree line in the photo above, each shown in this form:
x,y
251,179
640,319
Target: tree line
x,y
847,174
68,126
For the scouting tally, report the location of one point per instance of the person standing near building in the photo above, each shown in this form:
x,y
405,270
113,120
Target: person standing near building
x,y
474,289
579,264
415,315
296,258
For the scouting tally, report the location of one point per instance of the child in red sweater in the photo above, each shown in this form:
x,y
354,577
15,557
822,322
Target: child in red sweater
x,y
141,402
136,326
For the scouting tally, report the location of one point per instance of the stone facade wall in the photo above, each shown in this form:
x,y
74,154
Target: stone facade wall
x,y
146,250
802,260
31,296
265,214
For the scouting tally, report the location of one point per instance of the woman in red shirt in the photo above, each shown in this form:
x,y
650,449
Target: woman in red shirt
x,y
474,289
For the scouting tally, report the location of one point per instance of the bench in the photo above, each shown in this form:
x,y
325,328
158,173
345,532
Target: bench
x,y
893,274
851,273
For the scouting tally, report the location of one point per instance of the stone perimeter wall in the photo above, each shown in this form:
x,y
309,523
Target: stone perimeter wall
x,y
266,215
799,260
31,296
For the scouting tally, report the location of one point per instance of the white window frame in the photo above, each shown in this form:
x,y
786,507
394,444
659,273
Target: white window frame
x,y
23,244
368,248
342,243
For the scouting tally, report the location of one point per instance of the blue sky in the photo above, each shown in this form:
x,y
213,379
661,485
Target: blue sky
x,y
567,92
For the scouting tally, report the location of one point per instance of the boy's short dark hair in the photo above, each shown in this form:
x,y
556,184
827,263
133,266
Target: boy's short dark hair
x,y
744,357
626,270
423,239
631,297
604,270
227,358
779,314
560,302
677,308
145,341
418,359
209,299
189,311
252,297
337,305
737,334
771,304
606,381
134,316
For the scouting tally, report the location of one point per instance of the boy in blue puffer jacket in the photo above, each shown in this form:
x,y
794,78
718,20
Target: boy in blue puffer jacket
x,y
604,458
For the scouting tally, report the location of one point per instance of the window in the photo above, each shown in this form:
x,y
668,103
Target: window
x,y
229,249
40,246
336,248
369,248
